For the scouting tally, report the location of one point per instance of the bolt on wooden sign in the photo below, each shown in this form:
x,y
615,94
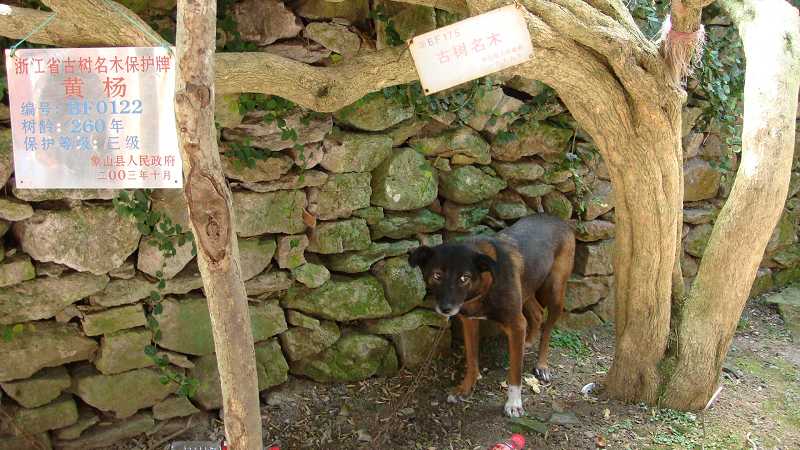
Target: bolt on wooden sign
x,y
471,48
94,118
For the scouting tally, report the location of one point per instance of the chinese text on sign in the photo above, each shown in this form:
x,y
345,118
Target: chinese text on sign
x,y
94,118
472,48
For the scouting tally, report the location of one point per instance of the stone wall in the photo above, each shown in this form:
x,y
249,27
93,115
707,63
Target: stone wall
x,y
323,247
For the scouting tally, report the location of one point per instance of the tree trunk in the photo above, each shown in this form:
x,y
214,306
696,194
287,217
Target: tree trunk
x,y
770,32
648,194
210,209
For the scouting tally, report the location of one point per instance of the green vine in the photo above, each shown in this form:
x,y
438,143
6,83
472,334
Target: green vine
x,y
721,81
163,234
393,38
276,110
9,332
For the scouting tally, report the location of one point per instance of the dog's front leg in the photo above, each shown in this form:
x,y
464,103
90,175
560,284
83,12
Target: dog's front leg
x,y
471,372
516,344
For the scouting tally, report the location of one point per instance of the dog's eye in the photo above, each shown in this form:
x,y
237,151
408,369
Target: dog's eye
x,y
437,276
464,279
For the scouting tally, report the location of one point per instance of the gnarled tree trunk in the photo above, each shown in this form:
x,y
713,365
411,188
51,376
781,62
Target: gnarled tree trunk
x,y
770,31
211,212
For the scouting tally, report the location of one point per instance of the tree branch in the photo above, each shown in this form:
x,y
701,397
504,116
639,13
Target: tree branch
x,y
16,22
322,89
104,24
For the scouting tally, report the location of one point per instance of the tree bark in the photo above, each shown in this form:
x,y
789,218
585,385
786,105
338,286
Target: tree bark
x,y
770,32
211,213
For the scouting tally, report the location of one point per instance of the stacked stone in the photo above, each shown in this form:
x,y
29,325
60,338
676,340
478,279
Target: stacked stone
x,y
323,235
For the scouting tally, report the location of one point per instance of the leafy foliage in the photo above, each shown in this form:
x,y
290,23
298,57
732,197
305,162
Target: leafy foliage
x,y
275,109
164,235
570,341
392,36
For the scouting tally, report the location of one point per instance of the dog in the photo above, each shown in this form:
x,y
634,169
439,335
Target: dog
x,y
509,278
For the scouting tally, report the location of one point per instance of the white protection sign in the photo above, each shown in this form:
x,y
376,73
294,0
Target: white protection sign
x,y
471,48
94,118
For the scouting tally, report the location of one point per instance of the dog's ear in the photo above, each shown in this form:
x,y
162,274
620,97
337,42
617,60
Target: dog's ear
x,y
418,257
485,264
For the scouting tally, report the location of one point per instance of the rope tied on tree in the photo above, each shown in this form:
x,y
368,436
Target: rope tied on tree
x,y
145,30
682,50
35,30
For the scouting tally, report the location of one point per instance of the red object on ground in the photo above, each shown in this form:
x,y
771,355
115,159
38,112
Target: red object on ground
x,y
517,442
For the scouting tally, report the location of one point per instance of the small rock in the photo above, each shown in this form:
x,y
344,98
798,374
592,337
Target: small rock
x,y
564,418
699,216
268,283
374,112
468,184
123,351
403,285
301,50
70,237
44,387
700,180
534,190
16,269
291,251
463,142
361,261
532,138
342,194
353,357
400,225
272,212
524,170
404,181
115,319
697,239
338,237
311,275
269,168
14,211
300,343
341,299
259,133
600,200
594,230
152,260
186,324
45,344
334,36
557,204
105,435
112,393
42,298
290,182
255,254
265,21
59,414
173,406
355,152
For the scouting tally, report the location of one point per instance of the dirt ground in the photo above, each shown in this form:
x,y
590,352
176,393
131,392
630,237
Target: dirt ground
x,y
759,406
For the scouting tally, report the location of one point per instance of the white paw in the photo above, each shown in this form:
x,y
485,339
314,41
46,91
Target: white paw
x,y
513,406
452,398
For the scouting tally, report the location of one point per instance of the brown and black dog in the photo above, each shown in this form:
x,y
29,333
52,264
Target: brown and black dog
x,y
508,278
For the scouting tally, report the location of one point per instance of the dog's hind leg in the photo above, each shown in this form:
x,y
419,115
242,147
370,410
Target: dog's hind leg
x,y
551,294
